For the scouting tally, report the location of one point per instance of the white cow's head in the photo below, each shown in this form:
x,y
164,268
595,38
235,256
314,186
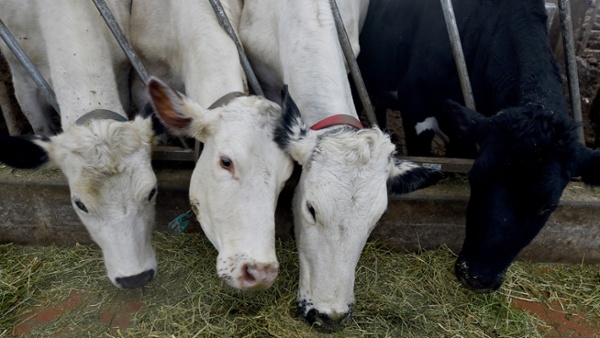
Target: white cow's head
x,y
113,188
342,193
237,180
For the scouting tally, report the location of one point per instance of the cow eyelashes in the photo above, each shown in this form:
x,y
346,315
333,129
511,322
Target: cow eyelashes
x,y
81,206
311,210
152,193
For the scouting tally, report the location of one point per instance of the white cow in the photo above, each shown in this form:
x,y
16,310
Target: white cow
x,y
105,159
241,171
346,171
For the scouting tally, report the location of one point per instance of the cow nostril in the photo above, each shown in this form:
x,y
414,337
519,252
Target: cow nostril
x,y
139,280
258,275
247,272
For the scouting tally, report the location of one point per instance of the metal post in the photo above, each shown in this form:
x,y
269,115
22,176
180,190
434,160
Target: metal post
x,y
459,57
121,39
588,28
39,80
351,60
566,30
224,22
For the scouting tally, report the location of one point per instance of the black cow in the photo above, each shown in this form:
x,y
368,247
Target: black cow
x,y
528,149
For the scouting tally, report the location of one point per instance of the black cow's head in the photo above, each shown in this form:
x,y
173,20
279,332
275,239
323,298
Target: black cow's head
x,y
526,157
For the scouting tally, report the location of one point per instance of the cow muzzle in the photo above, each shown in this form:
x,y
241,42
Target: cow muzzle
x,y
477,282
325,321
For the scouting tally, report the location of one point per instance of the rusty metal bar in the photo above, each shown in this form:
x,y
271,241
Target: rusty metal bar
x,y
226,24
351,60
39,80
459,57
566,30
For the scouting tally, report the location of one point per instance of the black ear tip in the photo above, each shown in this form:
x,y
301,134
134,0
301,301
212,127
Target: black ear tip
x,y
452,105
284,91
22,152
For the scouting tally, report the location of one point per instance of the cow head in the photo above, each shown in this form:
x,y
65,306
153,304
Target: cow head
x,y
113,188
526,157
342,193
237,180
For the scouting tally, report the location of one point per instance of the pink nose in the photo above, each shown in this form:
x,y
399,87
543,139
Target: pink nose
x,y
258,275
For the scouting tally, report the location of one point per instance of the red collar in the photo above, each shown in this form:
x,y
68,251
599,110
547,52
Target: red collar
x,y
337,120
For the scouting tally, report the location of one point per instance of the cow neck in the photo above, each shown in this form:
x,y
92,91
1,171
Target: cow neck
x,y
100,114
337,120
225,99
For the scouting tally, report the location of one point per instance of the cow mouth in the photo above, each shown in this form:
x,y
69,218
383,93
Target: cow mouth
x,y
323,321
473,282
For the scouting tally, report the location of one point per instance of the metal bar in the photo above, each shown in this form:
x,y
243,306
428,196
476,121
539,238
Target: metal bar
x,y
121,39
588,28
551,13
224,22
459,57
448,165
566,30
39,80
351,60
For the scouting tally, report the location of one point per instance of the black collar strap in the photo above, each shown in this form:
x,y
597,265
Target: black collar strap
x,y
225,99
101,114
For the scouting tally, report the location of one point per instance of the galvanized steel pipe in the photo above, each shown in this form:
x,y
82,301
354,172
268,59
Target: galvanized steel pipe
x,y
39,80
459,57
566,30
224,22
351,60
121,39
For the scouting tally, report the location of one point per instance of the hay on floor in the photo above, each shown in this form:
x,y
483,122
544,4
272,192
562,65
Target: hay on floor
x,y
397,295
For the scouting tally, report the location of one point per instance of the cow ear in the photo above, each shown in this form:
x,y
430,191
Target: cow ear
x,y
467,124
588,165
407,176
181,115
24,152
292,135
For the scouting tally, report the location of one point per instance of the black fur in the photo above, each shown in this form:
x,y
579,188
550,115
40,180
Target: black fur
x,y
415,179
528,150
290,118
21,152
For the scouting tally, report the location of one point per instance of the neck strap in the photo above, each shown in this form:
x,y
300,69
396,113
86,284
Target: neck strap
x,y
335,120
102,114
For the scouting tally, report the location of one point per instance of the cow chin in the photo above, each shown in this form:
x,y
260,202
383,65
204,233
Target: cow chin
x,y
476,282
242,273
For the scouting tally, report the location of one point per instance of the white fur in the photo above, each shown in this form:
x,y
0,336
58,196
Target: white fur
x,y
106,163
236,208
344,173
431,123
345,183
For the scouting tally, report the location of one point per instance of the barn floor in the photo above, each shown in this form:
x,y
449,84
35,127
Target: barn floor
x,y
64,292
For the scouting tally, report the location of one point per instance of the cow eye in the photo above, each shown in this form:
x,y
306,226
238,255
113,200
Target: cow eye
x,y
81,206
547,209
226,163
311,210
152,193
